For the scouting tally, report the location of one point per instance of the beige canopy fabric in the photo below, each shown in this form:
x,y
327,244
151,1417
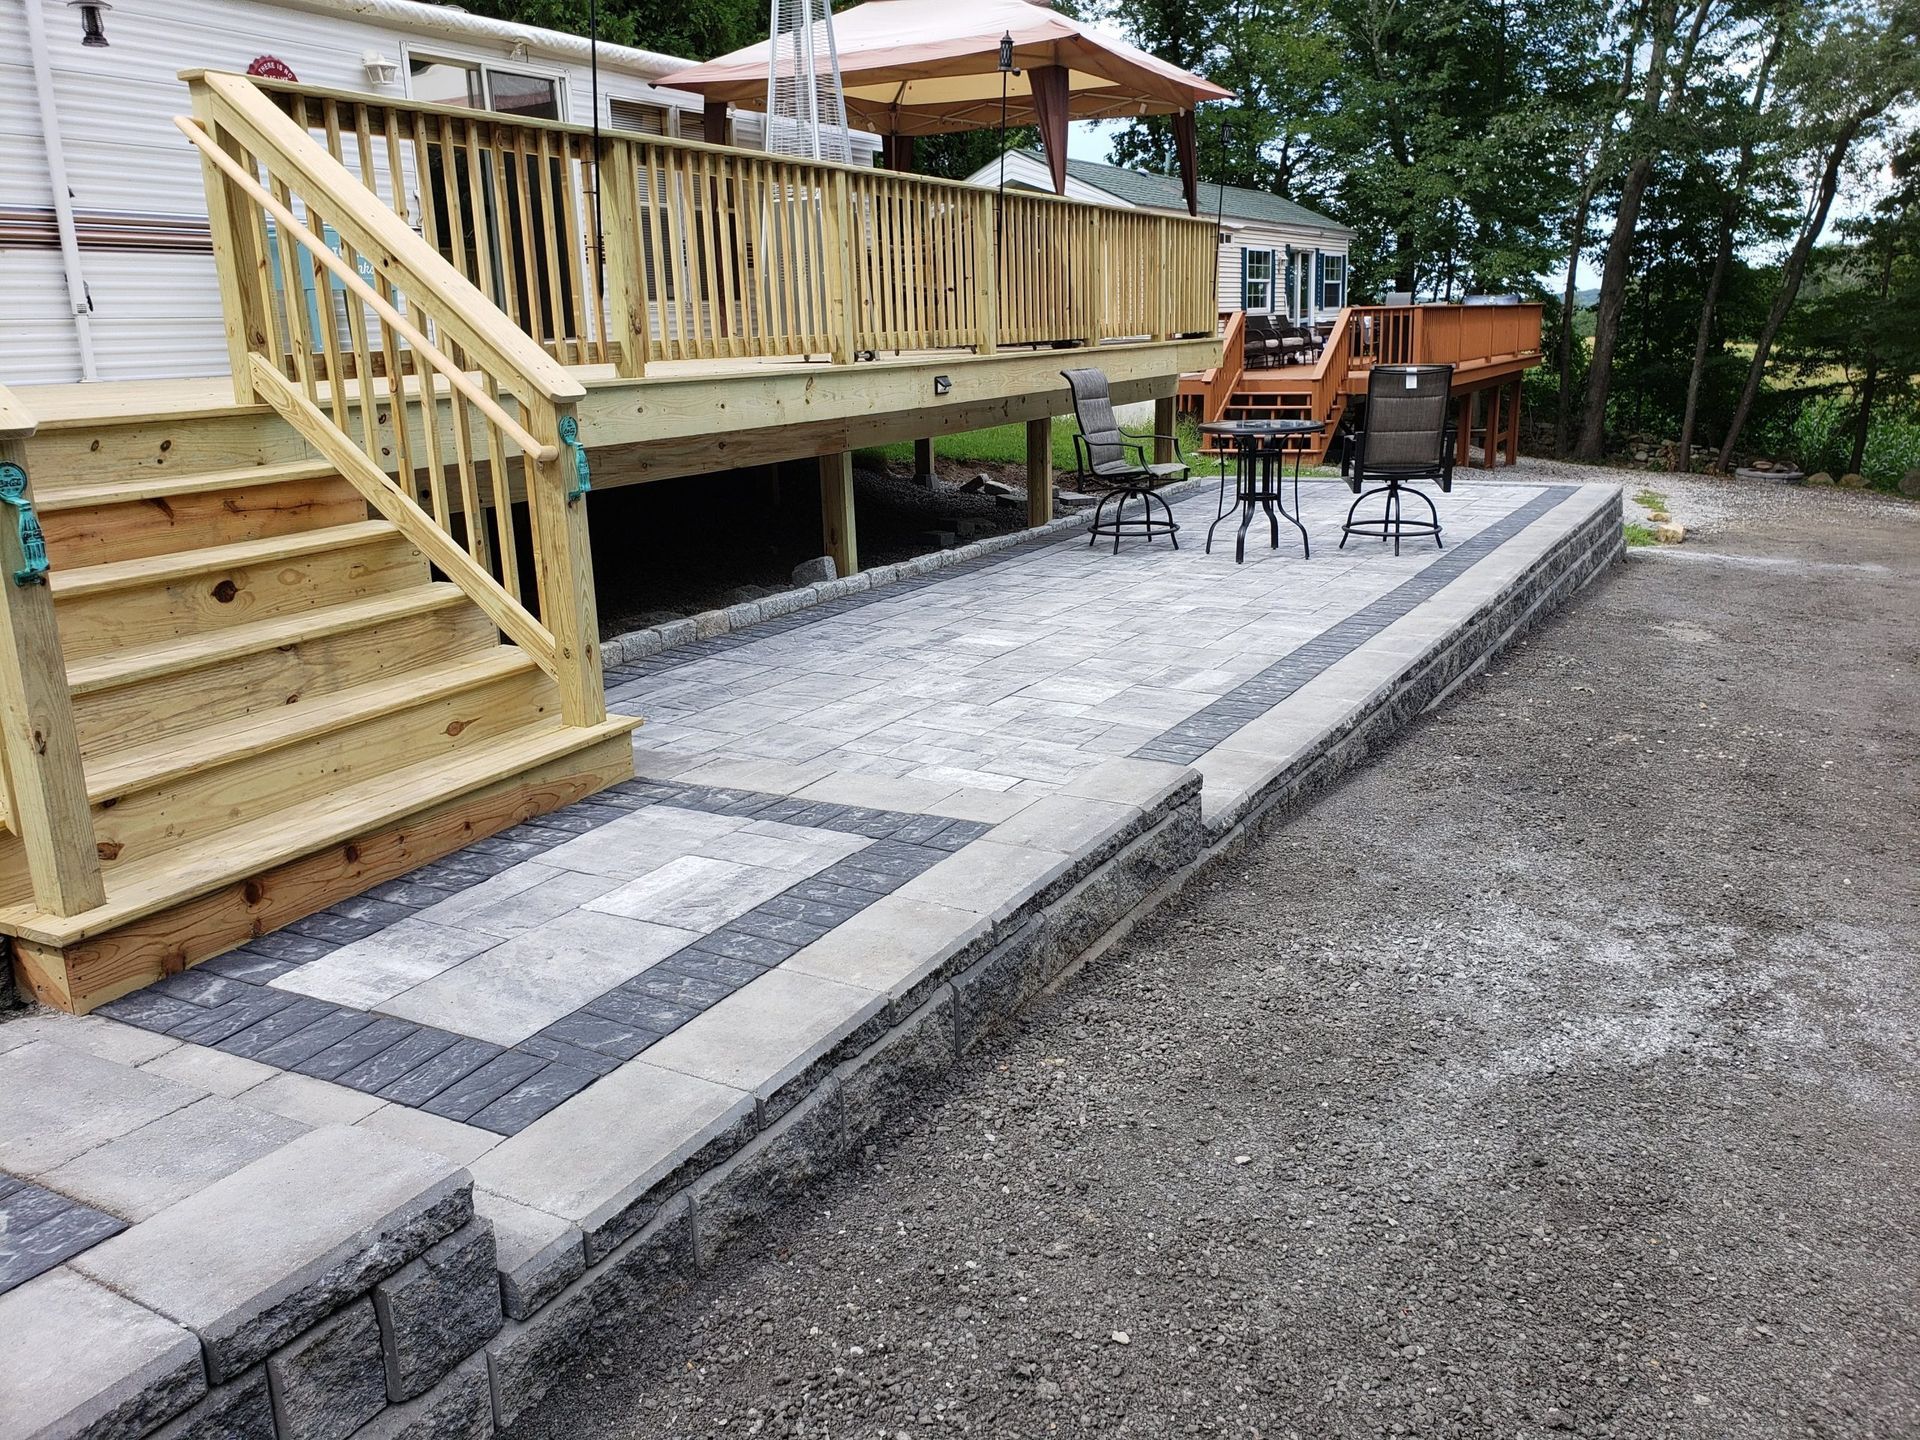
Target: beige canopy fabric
x,y
926,67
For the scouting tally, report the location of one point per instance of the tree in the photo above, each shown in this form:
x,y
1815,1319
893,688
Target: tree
x,y
696,29
1862,63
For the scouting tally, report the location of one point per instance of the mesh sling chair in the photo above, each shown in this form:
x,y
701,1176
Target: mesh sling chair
x,y
1103,451
1407,437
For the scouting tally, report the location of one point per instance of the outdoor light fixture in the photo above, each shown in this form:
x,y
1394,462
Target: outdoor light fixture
x,y
381,69
1000,196
93,30
943,384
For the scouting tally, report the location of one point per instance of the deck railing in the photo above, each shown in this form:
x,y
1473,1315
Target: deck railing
x,y
695,251
432,401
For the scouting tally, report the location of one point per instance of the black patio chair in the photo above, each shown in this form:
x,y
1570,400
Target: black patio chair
x,y
1118,458
1406,436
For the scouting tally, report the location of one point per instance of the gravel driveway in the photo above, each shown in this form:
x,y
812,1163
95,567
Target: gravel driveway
x,y
1555,1075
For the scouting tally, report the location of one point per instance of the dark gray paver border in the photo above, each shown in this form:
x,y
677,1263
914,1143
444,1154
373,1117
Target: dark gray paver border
x,y
41,1228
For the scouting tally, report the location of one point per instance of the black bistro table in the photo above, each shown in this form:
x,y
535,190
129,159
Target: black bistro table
x,y
1260,453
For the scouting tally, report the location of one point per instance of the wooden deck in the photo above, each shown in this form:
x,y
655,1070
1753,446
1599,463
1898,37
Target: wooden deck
x,y
1490,348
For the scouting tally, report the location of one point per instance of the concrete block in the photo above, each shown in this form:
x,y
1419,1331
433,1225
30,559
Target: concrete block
x,y
329,1382
310,1101
61,1103
735,1199
771,1034
242,1409
80,1360
1071,825
642,1270
1143,784
606,1159
95,1034
912,1054
994,985
538,1255
301,1232
168,1159
437,1310
458,1408
529,1357
460,1143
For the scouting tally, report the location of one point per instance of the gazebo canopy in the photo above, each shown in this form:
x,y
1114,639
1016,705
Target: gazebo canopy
x,y
926,67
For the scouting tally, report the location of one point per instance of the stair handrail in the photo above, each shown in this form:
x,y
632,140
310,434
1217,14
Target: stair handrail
x,y
41,774
256,160
1233,363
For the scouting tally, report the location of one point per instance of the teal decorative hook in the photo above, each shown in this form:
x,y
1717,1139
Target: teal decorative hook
x,y
583,478
33,544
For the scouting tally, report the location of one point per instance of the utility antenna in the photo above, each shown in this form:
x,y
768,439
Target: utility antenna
x,y
806,111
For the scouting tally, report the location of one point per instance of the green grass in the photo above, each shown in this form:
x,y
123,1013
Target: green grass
x,y
1638,534
1651,500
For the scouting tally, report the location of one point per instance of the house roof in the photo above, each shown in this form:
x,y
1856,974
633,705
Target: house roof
x,y
1162,192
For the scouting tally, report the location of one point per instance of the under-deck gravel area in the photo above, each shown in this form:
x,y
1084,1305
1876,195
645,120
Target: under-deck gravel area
x,y
1555,1074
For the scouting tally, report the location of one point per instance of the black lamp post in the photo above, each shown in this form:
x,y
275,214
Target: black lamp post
x,y
93,30
1220,204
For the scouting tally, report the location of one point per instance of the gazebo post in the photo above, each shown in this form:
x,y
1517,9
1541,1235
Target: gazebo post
x,y
896,153
1186,149
713,123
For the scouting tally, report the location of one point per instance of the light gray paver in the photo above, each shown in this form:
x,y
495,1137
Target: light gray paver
x,y
458,1142
1067,824
146,1170
518,900
694,893
769,777
282,1260
1142,784
209,1069
795,850
80,1360
61,1103
311,1101
95,1034
629,847
367,972
891,946
596,1161
767,1033
526,983
988,878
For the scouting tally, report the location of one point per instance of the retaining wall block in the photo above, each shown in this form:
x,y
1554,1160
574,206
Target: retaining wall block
x,y
331,1380
439,1309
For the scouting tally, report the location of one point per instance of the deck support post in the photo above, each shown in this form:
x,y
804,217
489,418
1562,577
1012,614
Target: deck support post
x,y
563,555
923,460
1490,422
1164,420
1513,424
46,789
836,512
1039,471
1463,430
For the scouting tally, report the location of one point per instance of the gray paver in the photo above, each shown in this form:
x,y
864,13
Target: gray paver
x,y
437,1310
139,1370
769,1032
891,946
522,985
170,1158
539,1255
39,1228
458,1142
596,1163
283,1261
694,893
310,1101
61,1103
523,898
988,878
209,1069
368,971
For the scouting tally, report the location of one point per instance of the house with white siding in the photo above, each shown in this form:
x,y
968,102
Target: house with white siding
x,y
1275,256
108,271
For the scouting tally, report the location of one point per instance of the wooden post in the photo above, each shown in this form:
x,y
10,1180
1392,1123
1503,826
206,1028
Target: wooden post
x,y
1093,294
1040,471
843,306
836,512
1513,424
1463,430
1164,419
1163,317
563,556
627,319
1490,420
986,289
923,460
46,788
237,262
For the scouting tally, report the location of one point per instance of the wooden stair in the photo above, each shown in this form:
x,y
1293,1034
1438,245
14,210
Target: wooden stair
x,y
277,705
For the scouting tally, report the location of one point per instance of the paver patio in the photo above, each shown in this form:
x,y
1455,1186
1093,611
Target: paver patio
x,y
877,820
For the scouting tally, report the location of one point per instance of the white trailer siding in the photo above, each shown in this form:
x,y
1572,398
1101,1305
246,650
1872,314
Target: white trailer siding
x,y
136,184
